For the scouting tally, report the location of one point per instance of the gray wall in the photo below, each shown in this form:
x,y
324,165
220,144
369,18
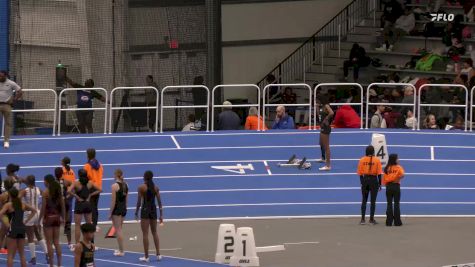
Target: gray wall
x,y
258,21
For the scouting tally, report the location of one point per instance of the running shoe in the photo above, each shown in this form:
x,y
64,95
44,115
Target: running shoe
x,y
373,222
117,253
144,259
159,257
325,168
362,222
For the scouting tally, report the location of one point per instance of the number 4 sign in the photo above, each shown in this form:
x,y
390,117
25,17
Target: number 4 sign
x,y
238,168
378,141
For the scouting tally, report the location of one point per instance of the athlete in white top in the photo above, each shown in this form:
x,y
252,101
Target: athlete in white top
x,y
31,195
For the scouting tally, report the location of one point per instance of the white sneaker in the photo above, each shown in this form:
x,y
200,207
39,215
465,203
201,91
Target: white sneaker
x,y
325,168
6,145
159,257
143,259
71,247
96,248
390,49
381,49
98,229
117,253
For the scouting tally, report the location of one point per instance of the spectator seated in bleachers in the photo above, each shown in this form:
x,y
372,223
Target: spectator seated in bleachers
x,y
228,119
356,60
430,122
283,120
378,121
467,69
253,119
346,117
456,50
408,95
459,124
393,32
192,124
392,10
411,121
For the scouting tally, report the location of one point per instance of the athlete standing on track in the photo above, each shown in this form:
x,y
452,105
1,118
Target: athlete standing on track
x,y
369,170
16,228
68,178
118,209
95,173
4,199
31,196
326,115
147,193
11,170
82,192
52,214
65,185
84,250
393,173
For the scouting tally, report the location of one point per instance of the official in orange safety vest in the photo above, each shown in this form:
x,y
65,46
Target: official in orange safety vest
x,y
370,171
95,171
393,173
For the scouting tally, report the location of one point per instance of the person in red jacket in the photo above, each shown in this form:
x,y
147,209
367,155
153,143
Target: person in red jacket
x,y
346,117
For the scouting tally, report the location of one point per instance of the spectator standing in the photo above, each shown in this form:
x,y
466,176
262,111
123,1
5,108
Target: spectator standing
x,y
253,119
150,99
346,117
9,92
356,60
378,121
84,101
228,119
283,120
95,173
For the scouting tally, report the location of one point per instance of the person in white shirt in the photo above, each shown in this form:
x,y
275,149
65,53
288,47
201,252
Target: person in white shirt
x,y
191,126
9,92
403,26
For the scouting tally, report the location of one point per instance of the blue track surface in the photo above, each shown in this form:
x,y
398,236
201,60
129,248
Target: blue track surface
x,y
440,170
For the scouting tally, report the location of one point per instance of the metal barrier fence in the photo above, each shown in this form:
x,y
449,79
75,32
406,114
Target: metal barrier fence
x,y
162,107
54,109
309,104
112,108
442,105
368,103
361,103
258,105
83,109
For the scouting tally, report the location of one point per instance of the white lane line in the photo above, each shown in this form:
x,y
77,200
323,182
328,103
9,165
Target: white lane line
x,y
432,153
176,142
302,243
178,147
229,161
267,167
296,132
296,204
293,189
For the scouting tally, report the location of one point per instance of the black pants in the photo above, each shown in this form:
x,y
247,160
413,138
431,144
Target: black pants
x,y
393,196
356,68
85,120
369,185
95,212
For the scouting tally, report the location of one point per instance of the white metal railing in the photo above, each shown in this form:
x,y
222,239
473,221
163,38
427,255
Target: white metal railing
x,y
162,107
472,106
443,105
368,103
112,108
258,105
83,109
54,109
339,104
309,104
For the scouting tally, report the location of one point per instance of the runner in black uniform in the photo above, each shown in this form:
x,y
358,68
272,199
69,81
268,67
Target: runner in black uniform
x,y
147,193
84,250
65,185
118,209
4,199
81,191
326,116
16,227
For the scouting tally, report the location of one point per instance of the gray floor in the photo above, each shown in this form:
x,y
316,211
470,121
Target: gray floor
x,y
342,242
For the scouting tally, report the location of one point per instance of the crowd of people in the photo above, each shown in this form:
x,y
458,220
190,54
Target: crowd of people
x,y
28,212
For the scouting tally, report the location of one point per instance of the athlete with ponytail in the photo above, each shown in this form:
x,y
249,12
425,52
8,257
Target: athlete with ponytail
x,y
15,210
65,185
53,214
82,191
393,173
118,208
147,193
